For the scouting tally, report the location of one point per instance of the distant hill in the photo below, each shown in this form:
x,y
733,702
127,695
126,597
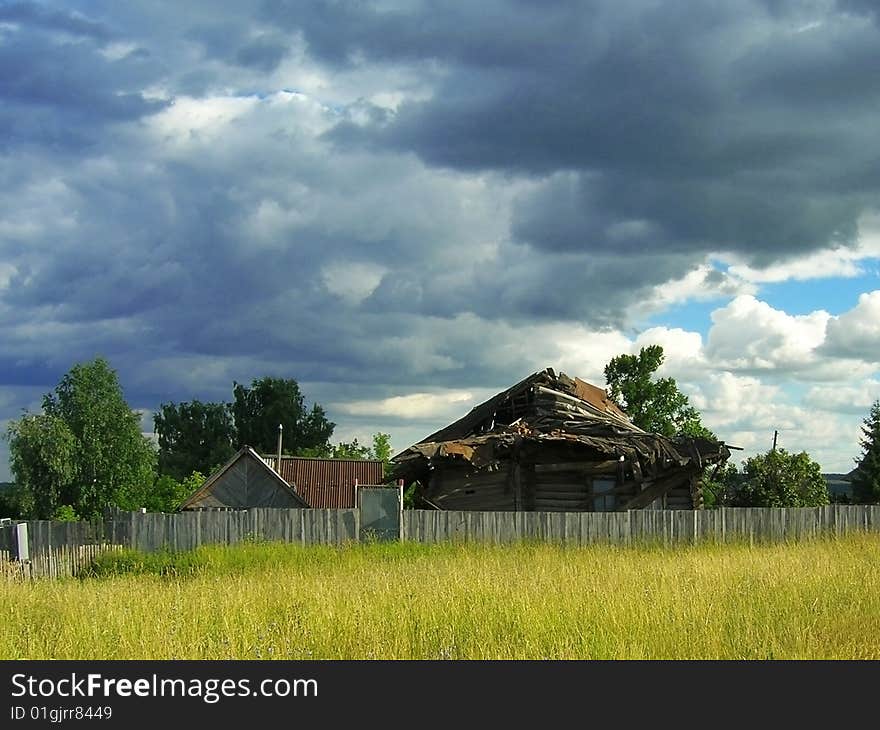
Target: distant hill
x,y
839,485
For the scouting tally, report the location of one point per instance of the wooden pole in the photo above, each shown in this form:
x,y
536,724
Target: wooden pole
x,y
401,534
775,475
278,463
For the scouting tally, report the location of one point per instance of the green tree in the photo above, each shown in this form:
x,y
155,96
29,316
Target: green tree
x,y
781,479
65,513
257,410
350,450
655,405
721,485
113,464
380,450
42,451
866,477
168,493
382,447
193,436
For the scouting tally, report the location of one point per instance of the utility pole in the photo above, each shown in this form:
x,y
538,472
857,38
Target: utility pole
x,y
773,461
278,463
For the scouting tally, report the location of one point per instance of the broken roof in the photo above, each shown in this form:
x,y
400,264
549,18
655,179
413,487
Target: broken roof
x,y
546,408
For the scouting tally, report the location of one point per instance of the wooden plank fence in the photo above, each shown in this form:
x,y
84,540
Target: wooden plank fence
x,y
65,548
749,524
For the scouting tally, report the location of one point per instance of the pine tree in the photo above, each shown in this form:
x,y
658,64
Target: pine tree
x,y
866,477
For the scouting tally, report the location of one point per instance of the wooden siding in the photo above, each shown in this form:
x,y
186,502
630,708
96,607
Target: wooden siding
x,y
244,482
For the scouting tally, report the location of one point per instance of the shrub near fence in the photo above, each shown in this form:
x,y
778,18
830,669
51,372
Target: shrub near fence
x,y
65,548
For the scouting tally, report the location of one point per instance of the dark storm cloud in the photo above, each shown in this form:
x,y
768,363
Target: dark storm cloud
x,y
745,128
450,173
39,16
62,93
229,42
860,7
262,54
341,33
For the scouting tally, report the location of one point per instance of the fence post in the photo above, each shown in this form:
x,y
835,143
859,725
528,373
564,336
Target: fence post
x,y
22,553
401,532
357,514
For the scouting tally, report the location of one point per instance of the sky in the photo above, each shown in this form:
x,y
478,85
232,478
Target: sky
x,y
409,206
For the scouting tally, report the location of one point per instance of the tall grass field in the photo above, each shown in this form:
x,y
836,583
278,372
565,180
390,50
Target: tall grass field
x,y
812,600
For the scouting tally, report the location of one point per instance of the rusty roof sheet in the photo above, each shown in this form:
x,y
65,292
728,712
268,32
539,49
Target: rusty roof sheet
x,y
328,483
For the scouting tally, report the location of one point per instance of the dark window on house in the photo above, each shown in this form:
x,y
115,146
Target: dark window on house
x,y
602,500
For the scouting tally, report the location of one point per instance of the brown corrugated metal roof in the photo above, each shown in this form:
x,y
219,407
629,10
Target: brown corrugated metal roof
x,y
328,483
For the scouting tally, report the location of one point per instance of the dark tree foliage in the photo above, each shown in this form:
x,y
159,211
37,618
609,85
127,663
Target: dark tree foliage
x,y
259,408
655,405
193,436
866,476
11,501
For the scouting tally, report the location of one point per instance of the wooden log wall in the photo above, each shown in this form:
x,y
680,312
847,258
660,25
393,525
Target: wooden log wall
x,y
547,486
465,487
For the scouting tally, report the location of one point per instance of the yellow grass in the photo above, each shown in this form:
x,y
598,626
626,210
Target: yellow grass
x,y
810,600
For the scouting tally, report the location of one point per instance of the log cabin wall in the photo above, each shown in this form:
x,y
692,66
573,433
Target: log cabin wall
x,y
561,488
465,487
554,486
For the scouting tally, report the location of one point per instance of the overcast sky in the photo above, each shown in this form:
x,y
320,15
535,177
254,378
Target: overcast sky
x,y
408,206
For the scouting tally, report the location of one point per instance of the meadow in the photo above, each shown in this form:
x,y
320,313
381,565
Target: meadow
x,y
809,600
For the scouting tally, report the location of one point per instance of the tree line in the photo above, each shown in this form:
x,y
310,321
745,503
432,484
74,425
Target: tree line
x,y
85,451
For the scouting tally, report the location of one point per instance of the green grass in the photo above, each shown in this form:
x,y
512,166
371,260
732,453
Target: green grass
x,y
809,600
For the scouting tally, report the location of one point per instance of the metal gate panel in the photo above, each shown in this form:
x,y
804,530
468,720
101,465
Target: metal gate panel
x,y
380,513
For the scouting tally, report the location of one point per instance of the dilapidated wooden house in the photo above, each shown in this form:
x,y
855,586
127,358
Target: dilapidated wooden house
x,y
555,443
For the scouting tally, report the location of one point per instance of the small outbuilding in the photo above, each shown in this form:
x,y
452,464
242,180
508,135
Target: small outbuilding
x,y
245,481
555,443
